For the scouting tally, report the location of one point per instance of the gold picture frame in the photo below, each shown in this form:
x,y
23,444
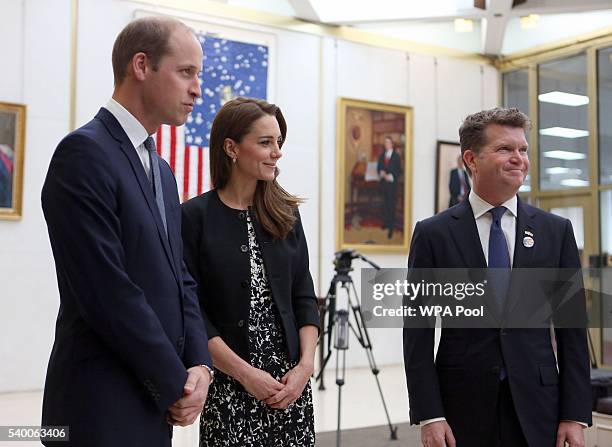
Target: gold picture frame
x,y
373,195
12,151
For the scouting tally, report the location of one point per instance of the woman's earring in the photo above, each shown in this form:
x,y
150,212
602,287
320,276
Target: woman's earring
x,y
234,159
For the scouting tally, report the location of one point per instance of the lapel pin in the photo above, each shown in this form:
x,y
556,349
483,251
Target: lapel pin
x,y
528,241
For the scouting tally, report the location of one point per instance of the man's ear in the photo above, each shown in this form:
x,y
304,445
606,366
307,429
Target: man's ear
x,y
139,66
469,158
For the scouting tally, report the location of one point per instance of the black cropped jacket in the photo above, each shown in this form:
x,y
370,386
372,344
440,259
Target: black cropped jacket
x,y
216,251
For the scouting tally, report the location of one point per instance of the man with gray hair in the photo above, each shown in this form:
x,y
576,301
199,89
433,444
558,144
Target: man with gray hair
x,y
497,387
130,357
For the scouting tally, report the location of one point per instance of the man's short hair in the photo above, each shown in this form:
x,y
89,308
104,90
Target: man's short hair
x,y
149,35
472,131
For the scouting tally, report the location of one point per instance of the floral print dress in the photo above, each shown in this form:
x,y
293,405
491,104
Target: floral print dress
x,y
234,418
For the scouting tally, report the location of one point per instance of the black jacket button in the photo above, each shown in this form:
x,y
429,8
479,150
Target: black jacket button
x,y
244,284
244,248
240,323
241,215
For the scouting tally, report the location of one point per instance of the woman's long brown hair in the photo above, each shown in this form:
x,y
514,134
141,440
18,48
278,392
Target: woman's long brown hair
x,y
274,208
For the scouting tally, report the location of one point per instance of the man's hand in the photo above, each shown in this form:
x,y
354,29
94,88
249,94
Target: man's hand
x,y
295,380
437,434
186,410
260,384
570,432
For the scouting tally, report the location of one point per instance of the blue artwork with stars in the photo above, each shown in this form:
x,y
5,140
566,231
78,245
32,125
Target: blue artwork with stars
x,y
230,69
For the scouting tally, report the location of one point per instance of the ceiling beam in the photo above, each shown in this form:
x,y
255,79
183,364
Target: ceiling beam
x,y
305,11
494,24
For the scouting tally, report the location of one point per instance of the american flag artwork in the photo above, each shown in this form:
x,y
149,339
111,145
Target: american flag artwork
x,y
231,68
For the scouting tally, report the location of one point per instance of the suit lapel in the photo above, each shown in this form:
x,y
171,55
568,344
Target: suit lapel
x,y
128,149
465,235
524,226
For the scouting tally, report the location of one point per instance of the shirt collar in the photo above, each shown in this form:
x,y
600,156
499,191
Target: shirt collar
x,y
480,207
132,127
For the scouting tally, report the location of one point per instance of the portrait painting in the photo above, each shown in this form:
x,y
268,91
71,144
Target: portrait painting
x,y
12,138
374,156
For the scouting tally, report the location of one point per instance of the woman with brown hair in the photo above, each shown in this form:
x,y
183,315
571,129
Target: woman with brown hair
x,y
245,246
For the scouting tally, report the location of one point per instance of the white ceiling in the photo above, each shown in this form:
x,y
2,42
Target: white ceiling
x,y
496,29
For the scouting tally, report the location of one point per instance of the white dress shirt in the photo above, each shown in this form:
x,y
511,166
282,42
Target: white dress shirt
x,y
484,220
134,130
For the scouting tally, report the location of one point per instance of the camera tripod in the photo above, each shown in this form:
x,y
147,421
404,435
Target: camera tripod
x,y
338,321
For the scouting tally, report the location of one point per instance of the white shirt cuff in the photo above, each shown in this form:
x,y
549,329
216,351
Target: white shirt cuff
x,y
429,421
585,425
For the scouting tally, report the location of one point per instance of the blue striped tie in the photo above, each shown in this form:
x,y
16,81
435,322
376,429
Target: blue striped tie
x,y
149,145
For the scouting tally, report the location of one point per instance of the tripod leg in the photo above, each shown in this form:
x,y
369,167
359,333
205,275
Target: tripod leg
x,y
340,382
330,308
364,339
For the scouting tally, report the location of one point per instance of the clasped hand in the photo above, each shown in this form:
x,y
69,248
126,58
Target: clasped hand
x,y
277,394
186,410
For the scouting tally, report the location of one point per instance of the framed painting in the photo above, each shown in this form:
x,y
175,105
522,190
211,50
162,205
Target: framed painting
x,y
452,181
374,176
12,146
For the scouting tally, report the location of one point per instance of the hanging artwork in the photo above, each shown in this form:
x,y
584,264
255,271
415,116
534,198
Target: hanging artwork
x,y
374,176
12,141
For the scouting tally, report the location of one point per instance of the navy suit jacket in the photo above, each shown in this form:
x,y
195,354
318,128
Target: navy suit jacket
x,y
129,323
454,185
463,382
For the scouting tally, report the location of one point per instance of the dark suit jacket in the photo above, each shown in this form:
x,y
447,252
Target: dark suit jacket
x,y
129,323
394,167
454,185
216,252
463,382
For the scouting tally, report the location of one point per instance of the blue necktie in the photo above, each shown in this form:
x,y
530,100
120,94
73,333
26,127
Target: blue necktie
x,y
499,260
149,145
498,248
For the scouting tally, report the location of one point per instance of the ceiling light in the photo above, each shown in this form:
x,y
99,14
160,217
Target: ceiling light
x,y
564,132
529,22
565,99
557,170
464,25
575,182
564,155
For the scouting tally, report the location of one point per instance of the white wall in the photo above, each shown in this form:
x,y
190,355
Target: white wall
x,y
38,58
311,73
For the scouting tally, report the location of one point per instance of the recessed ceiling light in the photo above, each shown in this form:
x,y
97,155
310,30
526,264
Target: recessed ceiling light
x,y
564,155
565,99
464,25
575,182
564,132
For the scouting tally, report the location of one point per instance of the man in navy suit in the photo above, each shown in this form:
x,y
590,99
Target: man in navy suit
x,y
458,184
497,387
130,357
